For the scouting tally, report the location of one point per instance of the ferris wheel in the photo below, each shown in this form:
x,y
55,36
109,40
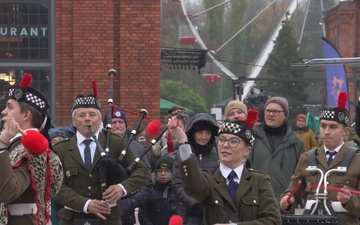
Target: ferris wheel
x,y
189,35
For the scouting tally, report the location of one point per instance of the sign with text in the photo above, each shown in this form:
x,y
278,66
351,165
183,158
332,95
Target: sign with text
x,y
23,31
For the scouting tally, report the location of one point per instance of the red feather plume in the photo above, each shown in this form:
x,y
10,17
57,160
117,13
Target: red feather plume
x,y
26,80
342,100
252,118
154,128
94,87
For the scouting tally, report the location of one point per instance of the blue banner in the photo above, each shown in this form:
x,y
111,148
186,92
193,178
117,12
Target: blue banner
x,y
336,80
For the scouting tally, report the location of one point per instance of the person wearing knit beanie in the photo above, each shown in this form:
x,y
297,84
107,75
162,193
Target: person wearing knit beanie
x,y
304,132
235,109
119,122
277,148
301,116
164,163
280,101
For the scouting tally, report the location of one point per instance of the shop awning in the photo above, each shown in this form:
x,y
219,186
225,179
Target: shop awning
x,y
165,105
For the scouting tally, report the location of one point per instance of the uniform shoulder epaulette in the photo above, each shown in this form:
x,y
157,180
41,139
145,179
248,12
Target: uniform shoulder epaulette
x,y
61,141
257,171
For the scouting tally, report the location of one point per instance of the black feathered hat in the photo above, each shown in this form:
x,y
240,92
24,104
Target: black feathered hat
x,y
25,93
87,101
241,128
339,114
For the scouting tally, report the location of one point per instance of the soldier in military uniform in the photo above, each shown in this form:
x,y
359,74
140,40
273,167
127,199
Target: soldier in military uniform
x,y
30,176
334,127
235,193
81,192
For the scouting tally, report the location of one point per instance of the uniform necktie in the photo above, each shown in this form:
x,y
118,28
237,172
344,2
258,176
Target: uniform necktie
x,y
87,154
232,184
331,155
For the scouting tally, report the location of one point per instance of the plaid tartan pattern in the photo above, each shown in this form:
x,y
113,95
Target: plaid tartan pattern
x,y
239,129
35,100
328,114
89,101
31,97
335,114
231,128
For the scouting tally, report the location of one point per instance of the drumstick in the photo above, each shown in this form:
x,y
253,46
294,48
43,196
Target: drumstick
x,y
293,191
330,188
21,131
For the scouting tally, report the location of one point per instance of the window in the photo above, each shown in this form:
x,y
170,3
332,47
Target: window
x,y
24,31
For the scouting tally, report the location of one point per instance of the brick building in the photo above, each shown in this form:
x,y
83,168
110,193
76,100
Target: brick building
x,y
66,44
343,30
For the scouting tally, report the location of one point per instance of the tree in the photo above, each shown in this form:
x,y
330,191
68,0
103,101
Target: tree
x,y
182,94
279,66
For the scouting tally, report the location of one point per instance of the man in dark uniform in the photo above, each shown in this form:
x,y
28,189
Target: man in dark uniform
x,y
30,176
81,192
334,127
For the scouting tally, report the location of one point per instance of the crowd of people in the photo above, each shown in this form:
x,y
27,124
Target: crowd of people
x,y
239,171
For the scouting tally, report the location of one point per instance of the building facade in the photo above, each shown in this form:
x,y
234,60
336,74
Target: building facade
x,y
343,30
66,44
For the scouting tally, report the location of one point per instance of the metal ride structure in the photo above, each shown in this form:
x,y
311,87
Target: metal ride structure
x,y
242,85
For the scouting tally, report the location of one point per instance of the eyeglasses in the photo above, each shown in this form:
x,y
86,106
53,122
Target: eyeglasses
x,y
232,142
273,111
165,171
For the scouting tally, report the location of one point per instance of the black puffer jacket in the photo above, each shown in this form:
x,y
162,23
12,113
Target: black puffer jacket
x,y
159,204
207,158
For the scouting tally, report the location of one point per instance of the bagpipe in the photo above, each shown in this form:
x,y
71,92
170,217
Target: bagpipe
x,y
321,210
112,171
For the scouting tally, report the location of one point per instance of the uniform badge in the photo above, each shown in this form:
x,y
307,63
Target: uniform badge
x,y
18,93
118,114
248,134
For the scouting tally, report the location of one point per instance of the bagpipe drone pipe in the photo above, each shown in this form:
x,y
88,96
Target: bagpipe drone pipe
x,y
112,170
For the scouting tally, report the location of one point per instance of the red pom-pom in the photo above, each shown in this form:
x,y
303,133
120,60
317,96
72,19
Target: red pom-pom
x,y
26,80
94,87
35,142
342,100
252,118
176,220
154,128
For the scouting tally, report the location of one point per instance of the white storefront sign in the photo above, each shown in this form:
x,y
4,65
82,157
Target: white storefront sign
x,y
23,31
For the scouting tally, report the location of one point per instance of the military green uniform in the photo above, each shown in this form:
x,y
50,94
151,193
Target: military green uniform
x,y
27,182
80,185
255,202
351,179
